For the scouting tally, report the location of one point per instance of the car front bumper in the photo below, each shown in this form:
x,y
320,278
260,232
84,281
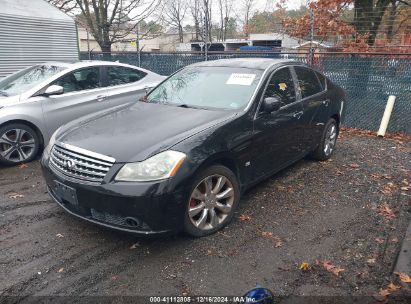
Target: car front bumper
x,y
141,208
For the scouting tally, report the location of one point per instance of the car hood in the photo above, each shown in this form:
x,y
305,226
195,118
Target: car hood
x,y
9,100
137,132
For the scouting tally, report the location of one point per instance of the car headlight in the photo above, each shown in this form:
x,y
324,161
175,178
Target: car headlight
x,y
160,166
52,141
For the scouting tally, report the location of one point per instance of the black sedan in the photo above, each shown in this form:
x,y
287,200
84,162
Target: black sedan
x,y
181,158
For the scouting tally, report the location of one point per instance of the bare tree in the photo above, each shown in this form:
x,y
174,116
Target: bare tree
x,y
64,5
207,13
197,16
175,11
109,21
225,7
247,7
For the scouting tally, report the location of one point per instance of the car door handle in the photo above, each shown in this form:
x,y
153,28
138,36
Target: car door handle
x,y
101,97
326,102
298,114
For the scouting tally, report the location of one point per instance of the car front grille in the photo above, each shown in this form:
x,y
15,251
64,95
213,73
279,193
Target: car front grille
x,y
79,163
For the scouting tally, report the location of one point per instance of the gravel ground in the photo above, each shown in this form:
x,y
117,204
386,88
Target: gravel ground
x,y
351,211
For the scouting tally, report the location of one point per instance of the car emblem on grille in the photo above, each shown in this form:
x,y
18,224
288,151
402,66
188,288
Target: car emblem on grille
x,y
69,164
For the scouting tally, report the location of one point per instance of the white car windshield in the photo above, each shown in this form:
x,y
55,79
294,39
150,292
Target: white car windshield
x,y
27,79
208,87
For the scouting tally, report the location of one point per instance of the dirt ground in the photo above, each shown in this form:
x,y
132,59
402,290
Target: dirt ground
x,y
345,217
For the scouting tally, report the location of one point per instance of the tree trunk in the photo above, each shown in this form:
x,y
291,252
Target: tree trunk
x,y
180,33
367,18
391,20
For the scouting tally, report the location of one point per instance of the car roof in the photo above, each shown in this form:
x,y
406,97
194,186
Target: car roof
x,y
88,63
251,63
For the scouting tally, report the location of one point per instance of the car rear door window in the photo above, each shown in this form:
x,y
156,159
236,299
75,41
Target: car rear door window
x,y
281,85
84,79
308,83
123,75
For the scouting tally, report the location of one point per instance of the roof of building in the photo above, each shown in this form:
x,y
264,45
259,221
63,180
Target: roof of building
x,y
33,9
250,63
321,44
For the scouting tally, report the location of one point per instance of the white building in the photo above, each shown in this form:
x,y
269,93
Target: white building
x,y
34,31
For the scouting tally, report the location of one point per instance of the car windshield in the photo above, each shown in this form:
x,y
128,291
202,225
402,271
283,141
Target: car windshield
x,y
208,87
27,79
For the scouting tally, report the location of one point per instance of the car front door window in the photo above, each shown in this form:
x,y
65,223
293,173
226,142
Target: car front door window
x,y
84,79
281,86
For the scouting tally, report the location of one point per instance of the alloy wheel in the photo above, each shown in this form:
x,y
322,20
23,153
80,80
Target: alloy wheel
x,y
17,145
330,139
211,202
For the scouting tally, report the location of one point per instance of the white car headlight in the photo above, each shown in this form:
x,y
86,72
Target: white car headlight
x,y
160,166
52,141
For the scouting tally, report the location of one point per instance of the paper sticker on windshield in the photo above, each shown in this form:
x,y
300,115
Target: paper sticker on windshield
x,y
241,79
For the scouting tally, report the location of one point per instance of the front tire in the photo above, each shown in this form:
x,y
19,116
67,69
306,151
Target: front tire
x,y
18,144
213,199
328,141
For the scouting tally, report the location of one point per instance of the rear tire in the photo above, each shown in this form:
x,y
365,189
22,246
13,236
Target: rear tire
x,y
328,141
18,144
213,199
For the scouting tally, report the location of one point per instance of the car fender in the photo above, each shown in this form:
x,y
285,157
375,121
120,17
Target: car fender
x,y
30,115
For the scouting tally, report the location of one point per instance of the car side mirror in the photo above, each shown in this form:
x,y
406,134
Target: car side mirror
x,y
271,104
54,90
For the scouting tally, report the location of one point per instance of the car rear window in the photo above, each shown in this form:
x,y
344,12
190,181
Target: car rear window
x,y
122,75
308,83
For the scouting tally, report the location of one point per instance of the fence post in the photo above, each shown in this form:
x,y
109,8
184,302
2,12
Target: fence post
x,y
312,49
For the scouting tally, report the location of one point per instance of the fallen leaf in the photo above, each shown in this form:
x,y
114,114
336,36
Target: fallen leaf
x,y
392,287
384,293
23,166
330,267
266,233
354,166
244,217
389,189
60,270
380,240
371,261
134,246
403,277
394,240
305,266
386,212
281,188
276,238
15,195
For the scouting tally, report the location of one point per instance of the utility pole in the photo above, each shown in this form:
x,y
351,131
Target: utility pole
x,y
138,44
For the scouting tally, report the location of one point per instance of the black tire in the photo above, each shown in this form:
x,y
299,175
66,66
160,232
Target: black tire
x,y
320,152
22,152
215,171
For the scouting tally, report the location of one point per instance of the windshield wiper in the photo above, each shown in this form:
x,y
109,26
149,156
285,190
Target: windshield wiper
x,y
2,93
184,105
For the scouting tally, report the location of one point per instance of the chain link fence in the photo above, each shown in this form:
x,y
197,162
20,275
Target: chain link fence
x,y
367,78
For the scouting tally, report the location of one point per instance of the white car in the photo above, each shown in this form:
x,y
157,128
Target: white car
x,y
36,101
